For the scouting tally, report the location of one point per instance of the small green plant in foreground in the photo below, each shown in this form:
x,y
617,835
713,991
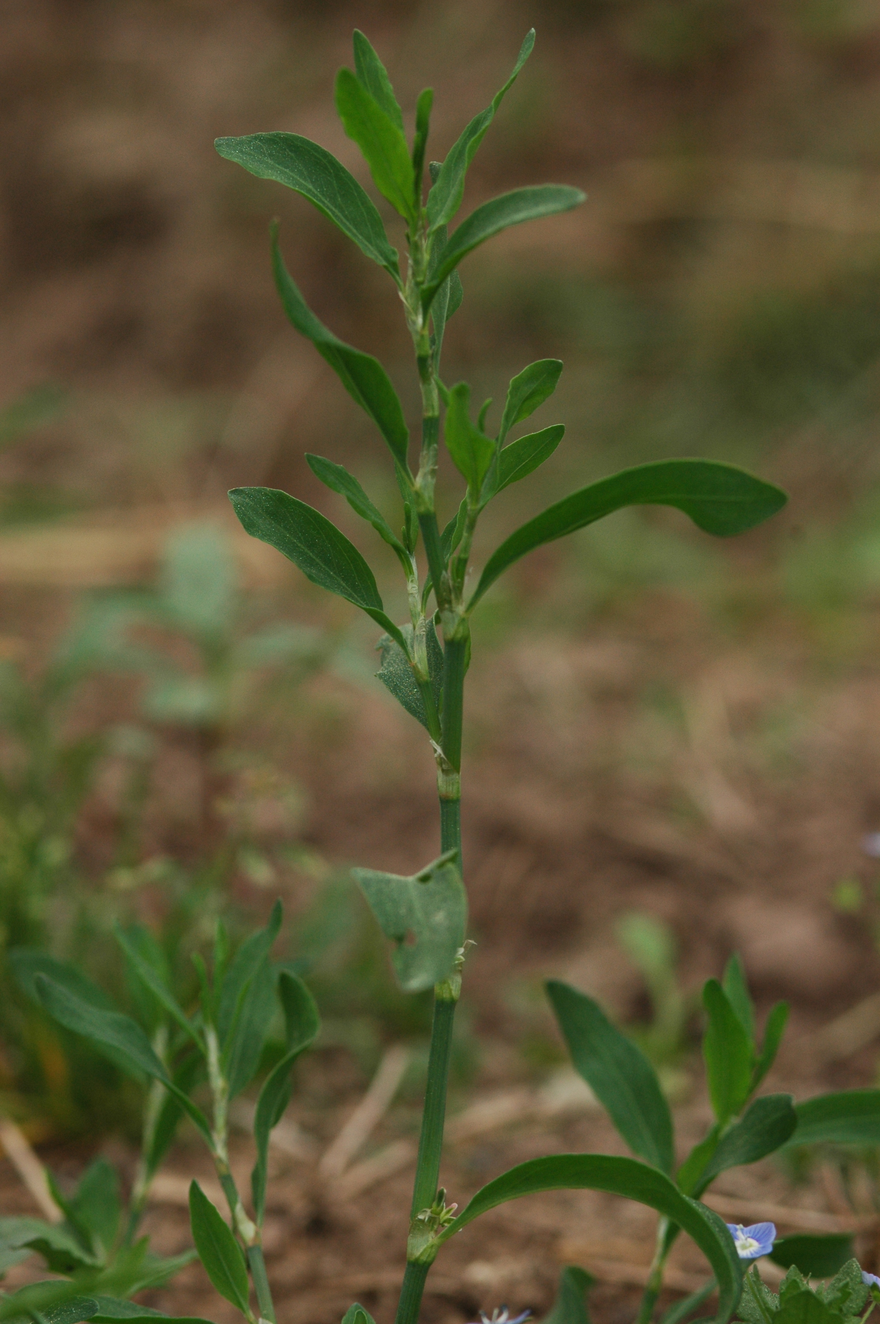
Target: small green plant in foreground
x,y
198,1057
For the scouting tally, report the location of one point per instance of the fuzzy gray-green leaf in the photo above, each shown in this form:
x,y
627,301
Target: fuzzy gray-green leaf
x,y
338,479
396,672
445,197
363,376
314,172
719,498
523,204
424,915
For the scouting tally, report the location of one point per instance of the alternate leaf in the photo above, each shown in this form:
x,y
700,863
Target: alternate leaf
x,y
445,197
396,672
424,915
62,1250
374,76
117,1032
773,1032
526,454
618,1073
420,142
737,990
804,1307
527,390
851,1117
153,981
570,1306
96,1208
765,1127
316,174
218,1250
302,1024
523,204
631,1179
363,376
452,533
312,542
472,452
380,139
247,1003
55,1302
719,498
338,479
815,1256
728,1054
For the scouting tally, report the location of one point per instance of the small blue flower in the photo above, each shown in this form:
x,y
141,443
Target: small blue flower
x,y
502,1316
752,1242
870,1279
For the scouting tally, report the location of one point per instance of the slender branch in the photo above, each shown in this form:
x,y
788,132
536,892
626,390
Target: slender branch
x,y
434,1115
257,1266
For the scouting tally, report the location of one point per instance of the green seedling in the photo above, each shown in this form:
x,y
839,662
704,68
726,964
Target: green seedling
x,y
650,945
424,661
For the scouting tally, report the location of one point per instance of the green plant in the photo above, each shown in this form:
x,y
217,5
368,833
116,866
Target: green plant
x,y
424,915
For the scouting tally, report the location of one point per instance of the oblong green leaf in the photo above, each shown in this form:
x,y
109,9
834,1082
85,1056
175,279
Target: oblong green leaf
x,y
373,75
397,675
728,1054
471,450
152,980
815,1256
570,1306
381,141
765,1127
309,540
338,479
315,173
617,1072
526,454
619,1176
424,915
523,204
737,990
218,1250
850,1117
719,498
363,376
301,1025
773,1032
445,197
59,1246
527,390
356,1314
111,1028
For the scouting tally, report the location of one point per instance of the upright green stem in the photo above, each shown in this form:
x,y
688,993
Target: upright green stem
x,y
434,1115
411,1293
655,1276
257,1267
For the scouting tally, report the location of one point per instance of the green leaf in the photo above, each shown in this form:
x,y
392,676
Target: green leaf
x,y
372,74
381,141
619,1176
184,1077
420,142
110,1028
773,1032
529,389
302,1024
218,1250
59,1247
728,1054
315,173
52,1302
28,962
338,479
247,1003
815,1256
472,452
425,915
109,1308
804,1307
117,1032
737,990
570,1306
150,977
764,1128
851,1117
357,1315
363,376
452,534
719,498
523,204
312,542
526,454
95,1208
618,1073
397,675
445,197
